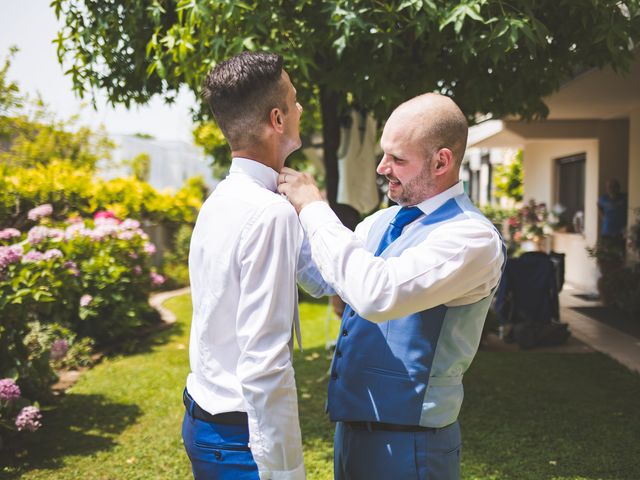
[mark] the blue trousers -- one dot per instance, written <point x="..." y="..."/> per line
<point x="218" y="451"/>
<point x="382" y="455"/>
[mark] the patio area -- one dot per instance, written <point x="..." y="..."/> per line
<point x="617" y="337"/>
<point x="600" y="336"/>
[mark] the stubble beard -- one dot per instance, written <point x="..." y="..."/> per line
<point x="415" y="190"/>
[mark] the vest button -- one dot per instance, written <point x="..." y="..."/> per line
<point x="345" y="332"/>
<point x="351" y="314"/>
<point x="338" y="354"/>
<point x="334" y="375"/>
<point x="217" y="454"/>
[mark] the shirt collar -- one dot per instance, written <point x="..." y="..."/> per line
<point x="430" y="205"/>
<point x="262" y="174"/>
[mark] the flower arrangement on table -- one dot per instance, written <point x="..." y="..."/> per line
<point x="532" y="223"/>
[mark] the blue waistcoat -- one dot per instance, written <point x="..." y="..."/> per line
<point x="407" y="370"/>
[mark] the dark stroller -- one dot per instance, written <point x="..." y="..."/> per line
<point x="527" y="301"/>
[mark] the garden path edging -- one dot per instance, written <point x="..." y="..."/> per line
<point x="157" y="299"/>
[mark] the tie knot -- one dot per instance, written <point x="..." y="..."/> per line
<point x="405" y="216"/>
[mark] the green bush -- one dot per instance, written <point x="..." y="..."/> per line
<point x="620" y="287"/>
<point x="176" y="261"/>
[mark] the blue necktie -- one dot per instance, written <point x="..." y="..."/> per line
<point x="404" y="217"/>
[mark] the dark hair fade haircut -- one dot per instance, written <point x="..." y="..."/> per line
<point x="241" y="93"/>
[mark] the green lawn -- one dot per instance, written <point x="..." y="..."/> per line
<point x="525" y="416"/>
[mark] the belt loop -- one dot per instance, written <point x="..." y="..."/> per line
<point x="369" y="428"/>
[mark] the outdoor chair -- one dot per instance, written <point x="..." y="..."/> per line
<point x="527" y="301"/>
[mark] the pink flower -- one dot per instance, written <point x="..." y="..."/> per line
<point x="104" y="228"/>
<point x="37" y="235"/>
<point x="9" y="233"/>
<point x="133" y="255"/>
<point x="40" y="211"/>
<point x="103" y="214"/>
<point x="75" y="229"/>
<point x="106" y="217"/>
<point x="156" y="279"/>
<point x="73" y="268"/>
<point x="130" y="224"/>
<point x="55" y="233"/>
<point x="52" y="253"/>
<point x="29" y="419"/>
<point x="126" y="235"/>
<point x="149" y="248"/>
<point x="9" y="255"/>
<point x="9" y="391"/>
<point x="137" y="270"/>
<point x="33" y="256"/>
<point x="59" y="349"/>
<point x="85" y="300"/>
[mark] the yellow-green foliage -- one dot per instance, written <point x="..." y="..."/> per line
<point x="40" y="139"/>
<point x="75" y="190"/>
<point x="509" y="179"/>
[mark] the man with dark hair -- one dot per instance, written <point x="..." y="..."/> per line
<point x="241" y="419"/>
<point x="418" y="279"/>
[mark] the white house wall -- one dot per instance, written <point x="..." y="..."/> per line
<point x="539" y="181"/>
<point x="614" y="152"/>
<point x="633" y="187"/>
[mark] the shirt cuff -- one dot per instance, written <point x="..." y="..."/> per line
<point x="315" y="215"/>
<point x="297" y="474"/>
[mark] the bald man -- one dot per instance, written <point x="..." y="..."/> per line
<point x="418" y="279"/>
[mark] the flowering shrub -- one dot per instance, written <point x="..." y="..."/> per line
<point x="16" y="413"/>
<point x="65" y="285"/>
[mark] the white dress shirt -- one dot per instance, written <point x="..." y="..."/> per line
<point x="457" y="264"/>
<point x="242" y="266"/>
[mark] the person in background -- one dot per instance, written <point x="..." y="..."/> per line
<point x="612" y="205"/>
<point x="418" y="279"/>
<point x="241" y="419"/>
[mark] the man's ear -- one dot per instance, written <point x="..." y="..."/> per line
<point x="277" y="120"/>
<point x="442" y="161"/>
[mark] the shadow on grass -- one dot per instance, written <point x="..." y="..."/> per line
<point x="145" y="340"/>
<point x="78" y="425"/>
<point x="548" y="416"/>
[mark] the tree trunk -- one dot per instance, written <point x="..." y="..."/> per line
<point x="331" y="142"/>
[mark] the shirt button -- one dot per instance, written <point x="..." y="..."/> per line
<point x="334" y="375"/>
<point x="338" y="354"/>
<point x="345" y="332"/>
